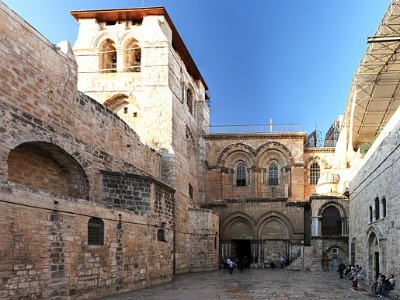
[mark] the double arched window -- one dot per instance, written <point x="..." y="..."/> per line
<point x="314" y="173"/>
<point x="273" y="174"/>
<point x="241" y="174"/>
<point x="108" y="56"/>
<point x="379" y="210"/>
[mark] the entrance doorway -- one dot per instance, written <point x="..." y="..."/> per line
<point x="242" y="249"/>
<point x="376" y="263"/>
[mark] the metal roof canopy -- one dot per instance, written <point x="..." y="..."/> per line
<point x="374" y="93"/>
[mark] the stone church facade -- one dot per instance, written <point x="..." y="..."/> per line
<point x="111" y="179"/>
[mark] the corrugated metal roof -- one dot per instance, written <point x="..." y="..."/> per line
<point x="374" y="93"/>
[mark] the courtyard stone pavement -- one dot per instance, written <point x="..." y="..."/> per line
<point x="251" y="284"/>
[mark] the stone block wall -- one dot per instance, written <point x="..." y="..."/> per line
<point x="45" y="251"/>
<point x="374" y="204"/>
<point x="63" y="154"/>
<point x="204" y="240"/>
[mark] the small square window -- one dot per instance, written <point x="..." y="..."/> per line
<point x="135" y="114"/>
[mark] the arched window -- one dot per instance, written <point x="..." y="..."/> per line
<point x="241" y="174"/>
<point x="314" y="173"/>
<point x="132" y="56"/>
<point x="95" y="231"/>
<point x="273" y="174"/>
<point x="377" y="216"/>
<point x="161" y="235"/>
<point x="108" y="57"/>
<point x="370" y="214"/>
<point x="383" y="207"/>
<point x="189" y="100"/>
<point x="331" y="221"/>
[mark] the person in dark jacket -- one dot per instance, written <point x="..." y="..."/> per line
<point x="385" y="286"/>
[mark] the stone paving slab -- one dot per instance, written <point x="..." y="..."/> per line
<point x="251" y="284"/>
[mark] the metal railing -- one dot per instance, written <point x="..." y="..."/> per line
<point x="274" y="128"/>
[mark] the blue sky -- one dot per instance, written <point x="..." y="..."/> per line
<point x="287" y="60"/>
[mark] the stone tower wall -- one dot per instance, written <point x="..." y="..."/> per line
<point x="159" y="94"/>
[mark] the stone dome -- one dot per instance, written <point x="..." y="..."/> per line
<point x="328" y="183"/>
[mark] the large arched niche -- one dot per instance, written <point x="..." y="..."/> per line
<point x="338" y="206"/>
<point x="274" y="150"/>
<point x="274" y="226"/>
<point x="229" y="155"/>
<point x="236" y="156"/>
<point x="238" y="226"/>
<point x="46" y="166"/>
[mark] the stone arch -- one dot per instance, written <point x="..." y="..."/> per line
<point x="279" y="150"/>
<point x="126" y="108"/>
<point x="274" y="226"/>
<point x="226" y="158"/>
<point x="115" y="102"/>
<point x="102" y="37"/>
<point x="375" y="259"/>
<point x="333" y="255"/>
<point x="238" y="226"/>
<point x="320" y="160"/>
<point x="338" y="206"/>
<point x="48" y="167"/>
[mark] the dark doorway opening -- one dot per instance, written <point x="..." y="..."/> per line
<point x="243" y="250"/>
<point x="376" y="265"/>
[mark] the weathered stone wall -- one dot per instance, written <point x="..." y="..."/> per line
<point x="45" y="253"/>
<point x="63" y="156"/>
<point x="204" y="240"/>
<point x="374" y="191"/>
<point x="224" y="151"/>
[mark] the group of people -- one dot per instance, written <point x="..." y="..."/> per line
<point x="356" y="273"/>
<point x="383" y="284"/>
<point x="352" y="272"/>
<point x="232" y="263"/>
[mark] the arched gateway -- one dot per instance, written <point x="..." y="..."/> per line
<point x="260" y="243"/>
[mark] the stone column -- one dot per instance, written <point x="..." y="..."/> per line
<point x="315" y="226"/>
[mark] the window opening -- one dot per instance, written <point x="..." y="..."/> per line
<point x="135" y="114"/>
<point x="377" y="209"/>
<point x="241" y="175"/>
<point x="273" y="174"/>
<point x="331" y="221"/>
<point x="190" y="191"/>
<point x="314" y="173"/>
<point x="370" y="214"/>
<point x="95" y="231"/>
<point x="384" y="207"/>
<point x="161" y="235"/>
<point x="133" y="57"/>
<point x="108" y="57"/>
<point x="125" y="110"/>
<point x="189" y="100"/>
<point x="108" y="23"/>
